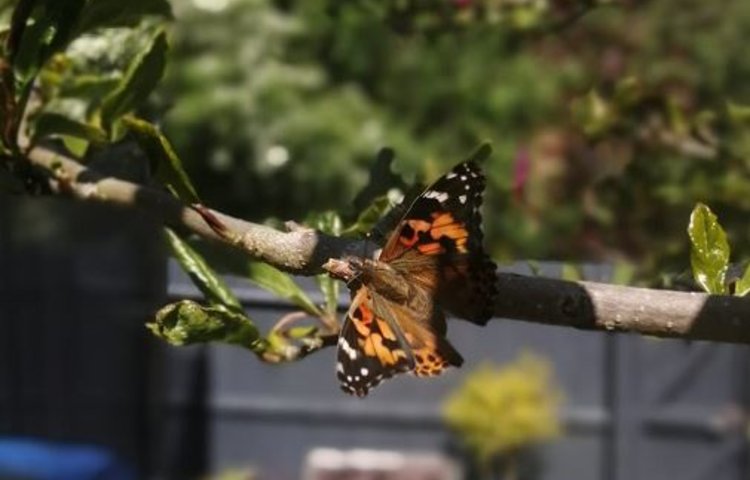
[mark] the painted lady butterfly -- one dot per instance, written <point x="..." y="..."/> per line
<point x="432" y="261"/>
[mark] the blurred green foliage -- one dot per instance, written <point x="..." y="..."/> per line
<point x="521" y="400"/>
<point x="609" y="119"/>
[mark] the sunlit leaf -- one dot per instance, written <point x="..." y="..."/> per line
<point x="138" y="82"/>
<point x="203" y="276"/>
<point x="187" y="322"/>
<point x="75" y="145"/>
<point x="168" y="166"/>
<point x="709" y="253"/>
<point x="281" y="285"/>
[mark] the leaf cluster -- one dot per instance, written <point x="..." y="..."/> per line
<point x="502" y="410"/>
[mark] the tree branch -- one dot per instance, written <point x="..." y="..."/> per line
<point x="582" y="305"/>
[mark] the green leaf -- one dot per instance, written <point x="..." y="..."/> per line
<point x="623" y="272"/>
<point x="593" y="114"/>
<point x="203" y="276"/>
<point x="138" y="82"/>
<point x="742" y="287"/>
<point x="281" y="285"/>
<point x="481" y="154"/>
<point x="56" y="125"/>
<point x="738" y="113"/>
<point x="76" y="146"/>
<point x="118" y="13"/>
<point x="19" y="20"/>
<point x="41" y="28"/>
<point x="328" y="223"/>
<point x="369" y="217"/>
<point x="709" y="254"/>
<point x="571" y="272"/>
<point x="168" y="166"/>
<point x="187" y="322"/>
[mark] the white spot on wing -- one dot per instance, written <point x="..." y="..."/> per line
<point x="450" y="175"/>
<point x="462" y="198"/>
<point x="347" y="348"/>
<point x="439" y="196"/>
<point x="364" y="372"/>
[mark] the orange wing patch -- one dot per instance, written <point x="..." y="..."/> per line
<point x="428" y="236"/>
<point x="375" y="337"/>
<point x="432" y="357"/>
<point x="429" y="362"/>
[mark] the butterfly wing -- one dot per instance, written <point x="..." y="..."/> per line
<point x="380" y="339"/>
<point x="438" y="243"/>
<point x="369" y="350"/>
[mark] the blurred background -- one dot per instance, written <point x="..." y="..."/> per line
<point x="609" y="121"/>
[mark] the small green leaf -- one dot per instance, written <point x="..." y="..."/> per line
<point x="203" y="276"/>
<point x="738" y="113"/>
<point x="623" y="273"/>
<point x="76" y="146"/>
<point x="709" y="254"/>
<point x="571" y="272"/>
<point x="369" y="217"/>
<point x="281" y="285"/>
<point x="481" y="154"/>
<point x="593" y="114"/>
<point x="168" y="166"/>
<point x="742" y="287"/>
<point x="138" y="82"/>
<point x="118" y="13"/>
<point x="187" y="322"/>
<point x="56" y="125"/>
<point x="328" y="223"/>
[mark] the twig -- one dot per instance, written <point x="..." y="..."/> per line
<point x="583" y="305"/>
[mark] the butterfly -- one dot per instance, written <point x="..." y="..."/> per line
<point x="432" y="262"/>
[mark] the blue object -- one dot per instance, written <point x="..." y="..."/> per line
<point x="33" y="459"/>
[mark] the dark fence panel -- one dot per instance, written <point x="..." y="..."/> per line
<point x="77" y="284"/>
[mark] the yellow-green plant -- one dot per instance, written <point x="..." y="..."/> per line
<point x="500" y="410"/>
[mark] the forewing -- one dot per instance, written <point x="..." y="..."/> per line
<point x="444" y="223"/>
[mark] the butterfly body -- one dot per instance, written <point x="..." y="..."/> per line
<point x="432" y="262"/>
